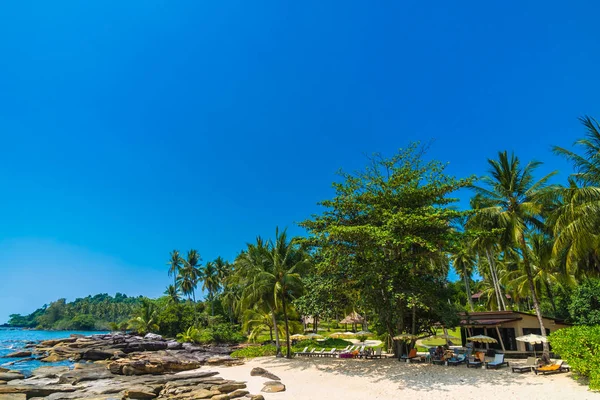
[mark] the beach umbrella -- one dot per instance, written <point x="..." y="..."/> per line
<point x="482" y="339"/>
<point x="298" y="336"/>
<point x="533" y="340"/>
<point x="313" y="336"/>
<point x="341" y="334"/>
<point x="363" y="333"/>
<point x="443" y="336"/>
<point x="404" y="336"/>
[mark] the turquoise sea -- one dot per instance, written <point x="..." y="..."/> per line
<point x="12" y="340"/>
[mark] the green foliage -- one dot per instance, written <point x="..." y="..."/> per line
<point x="255" y="351"/>
<point x="328" y="343"/>
<point x="145" y="317"/>
<point x="585" y="303"/>
<point x="191" y="335"/>
<point x="101" y="308"/>
<point x="387" y="234"/>
<point x="579" y="346"/>
<point x="220" y="333"/>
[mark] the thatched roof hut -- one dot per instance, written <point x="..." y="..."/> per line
<point x="353" y="318"/>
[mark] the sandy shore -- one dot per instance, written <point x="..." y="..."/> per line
<point x="323" y="378"/>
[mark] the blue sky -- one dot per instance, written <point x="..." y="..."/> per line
<point x="132" y="128"/>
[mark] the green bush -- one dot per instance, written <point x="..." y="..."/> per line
<point x="226" y="333"/>
<point x="327" y="343"/>
<point x="585" y="303"/>
<point x="255" y="351"/>
<point x="579" y="346"/>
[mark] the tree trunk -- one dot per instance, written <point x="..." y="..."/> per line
<point x="195" y="308"/>
<point x="536" y="304"/>
<point x="277" y="345"/>
<point x="271" y="333"/>
<point x="497" y="288"/>
<point x="287" y="328"/>
<point x="468" y="288"/>
<point x="551" y="297"/>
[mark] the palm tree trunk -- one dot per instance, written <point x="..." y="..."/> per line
<point x="277" y="345"/>
<point x="287" y="328"/>
<point x="497" y="289"/>
<point x="551" y="297"/>
<point x="468" y="288"/>
<point x="195" y="308"/>
<point x="536" y="304"/>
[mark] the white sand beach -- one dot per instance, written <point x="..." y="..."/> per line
<point x="323" y="378"/>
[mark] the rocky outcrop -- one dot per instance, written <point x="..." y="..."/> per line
<point x="19" y="354"/>
<point x="116" y="367"/>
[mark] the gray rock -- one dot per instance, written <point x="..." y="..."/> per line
<point x="153" y="336"/>
<point x="11" y="375"/>
<point x="273" y="387"/>
<point x="258" y="371"/>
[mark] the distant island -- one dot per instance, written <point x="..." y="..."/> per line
<point x="99" y="312"/>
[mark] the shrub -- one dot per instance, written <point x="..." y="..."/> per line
<point x="580" y="347"/>
<point x="226" y="333"/>
<point x="255" y="351"/>
<point x="585" y="303"/>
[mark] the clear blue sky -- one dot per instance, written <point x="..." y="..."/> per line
<point x="130" y="128"/>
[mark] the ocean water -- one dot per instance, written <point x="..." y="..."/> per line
<point x="12" y="340"/>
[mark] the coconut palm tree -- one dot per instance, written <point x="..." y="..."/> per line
<point x="174" y="265"/>
<point x="144" y="319"/>
<point x="289" y="262"/>
<point x="463" y="261"/>
<point x="252" y="266"/>
<point x="173" y="293"/>
<point x="210" y="283"/>
<point x="514" y="201"/>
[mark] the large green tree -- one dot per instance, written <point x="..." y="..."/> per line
<point x="388" y="231"/>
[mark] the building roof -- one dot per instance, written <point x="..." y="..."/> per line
<point x="496" y="317"/>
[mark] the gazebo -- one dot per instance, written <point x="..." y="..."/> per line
<point x="353" y="318"/>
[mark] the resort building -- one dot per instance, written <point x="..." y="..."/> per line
<point x="506" y="326"/>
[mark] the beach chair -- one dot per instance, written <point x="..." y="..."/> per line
<point x="477" y="361"/>
<point x="497" y="363"/>
<point x="331" y="353"/>
<point x="319" y="353"/>
<point x="345" y="349"/>
<point x="303" y="352"/>
<point x="411" y="355"/>
<point x="348" y="349"/>
<point x="553" y="368"/>
<point x="529" y="366"/>
<point x="456" y="361"/>
<point x="375" y="354"/>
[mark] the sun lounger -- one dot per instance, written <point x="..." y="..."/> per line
<point x="530" y="364"/>
<point x="375" y="354"/>
<point x="301" y="353"/>
<point x="554" y="368"/>
<point x="497" y="363"/>
<point x="477" y="361"/>
<point x="318" y="353"/>
<point x="331" y="353"/>
<point x="461" y="358"/>
<point x="412" y="354"/>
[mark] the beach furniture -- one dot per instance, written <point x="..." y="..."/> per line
<point x="331" y="353"/>
<point x="455" y="361"/>
<point x="477" y="360"/>
<point x="497" y="363"/>
<point x="303" y="352"/>
<point x="319" y="353"/>
<point x="411" y="355"/>
<point x="375" y="354"/>
<point x="553" y="368"/>
<point x="529" y="366"/>
<point x="348" y="349"/>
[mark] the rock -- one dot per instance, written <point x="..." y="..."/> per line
<point x="238" y="393"/>
<point x="54" y="342"/>
<point x="174" y="345"/>
<point x="11" y="375"/>
<point x="35" y="391"/>
<point x="52" y="358"/>
<point x="19" y="354"/>
<point x="49" y="372"/>
<point x="273" y="387"/>
<point x="13" y="397"/>
<point x="220" y="397"/>
<point x="153" y="336"/>
<point x="139" y="394"/>
<point x="257" y="397"/>
<point x="96" y="355"/>
<point x="229" y="387"/>
<point x="258" y="371"/>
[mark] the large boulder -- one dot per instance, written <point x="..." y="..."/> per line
<point x="19" y="354"/>
<point x="11" y="375"/>
<point x="97" y="354"/>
